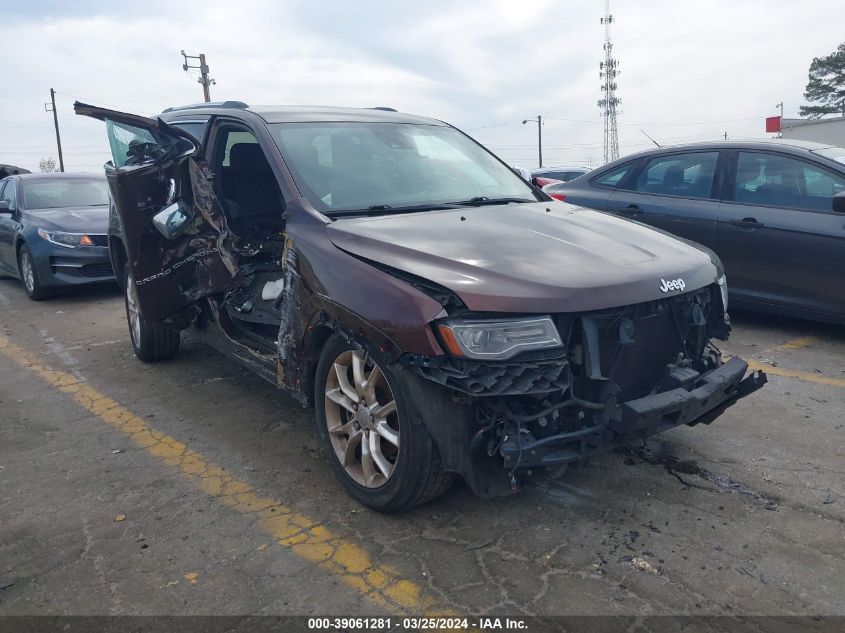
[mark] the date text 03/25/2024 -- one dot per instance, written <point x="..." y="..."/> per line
<point x="416" y="624"/>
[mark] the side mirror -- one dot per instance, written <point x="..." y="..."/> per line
<point x="838" y="202"/>
<point x="172" y="221"/>
<point x="4" y="207"/>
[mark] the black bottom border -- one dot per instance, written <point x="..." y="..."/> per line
<point x="379" y="624"/>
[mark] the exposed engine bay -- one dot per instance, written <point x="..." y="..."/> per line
<point x="624" y="373"/>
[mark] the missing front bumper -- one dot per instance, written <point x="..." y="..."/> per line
<point x="711" y="395"/>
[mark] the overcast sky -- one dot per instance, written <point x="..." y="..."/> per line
<point x="691" y="70"/>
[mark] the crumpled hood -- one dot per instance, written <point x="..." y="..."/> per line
<point x="529" y="258"/>
<point x="93" y="220"/>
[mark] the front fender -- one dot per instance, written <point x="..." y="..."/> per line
<point x="324" y="286"/>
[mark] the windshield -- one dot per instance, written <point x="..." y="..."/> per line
<point x="70" y="192"/>
<point x="358" y="166"/>
<point x="833" y="153"/>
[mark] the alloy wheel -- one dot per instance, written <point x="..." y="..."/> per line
<point x="362" y="419"/>
<point x="132" y="311"/>
<point x="27" y="272"/>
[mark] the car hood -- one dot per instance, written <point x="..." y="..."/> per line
<point x="543" y="257"/>
<point x="72" y="219"/>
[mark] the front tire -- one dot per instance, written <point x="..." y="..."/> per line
<point x="151" y="341"/>
<point x="29" y="277"/>
<point x="378" y="446"/>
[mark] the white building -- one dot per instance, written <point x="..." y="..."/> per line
<point x="828" y="131"/>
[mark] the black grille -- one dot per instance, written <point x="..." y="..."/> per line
<point x="531" y="375"/>
<point x="636" y="358"/>
<point x="99" y="240"/>
<point x="637" y="366"/>
<point x="96" y="270"/>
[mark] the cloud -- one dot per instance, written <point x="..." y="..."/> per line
<point x="482" y="66"/>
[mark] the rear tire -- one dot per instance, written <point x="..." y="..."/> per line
<point x="352" y="414"/>
<point x="151" y="341"/>
<point x="29" y="277"/>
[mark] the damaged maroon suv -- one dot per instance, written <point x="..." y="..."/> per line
<point x="441" y="315"/>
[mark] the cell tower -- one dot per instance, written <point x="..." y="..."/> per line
<point x="608" y="71"/>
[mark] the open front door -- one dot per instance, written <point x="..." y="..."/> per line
<point x="172" y="224"/>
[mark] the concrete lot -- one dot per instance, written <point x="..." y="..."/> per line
<point x="194" y="487"/>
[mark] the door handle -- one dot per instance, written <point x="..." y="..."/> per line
<point x="631" y="210"/>
<point x="748" y="223"/>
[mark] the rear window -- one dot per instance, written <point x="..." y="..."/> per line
<point x="613" y="177"/>
<point x="56" y="193"/>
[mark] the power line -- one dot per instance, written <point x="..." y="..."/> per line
<point x="619" y="123"/>
<point x="33" y="151"/>
<point x="642" y="124"/>
<point x="101" y="103"/>
<point x="485" y="127"/>
<point x="48" y="146"/>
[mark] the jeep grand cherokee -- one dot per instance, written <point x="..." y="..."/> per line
<point x="441" y="315"/>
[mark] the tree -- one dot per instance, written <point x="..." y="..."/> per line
<point x="48" y="164"/>
<point x="826" y="86"/>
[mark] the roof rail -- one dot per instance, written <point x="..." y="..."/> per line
<point x="384" y="108"/>
<point x="238" y="105"/>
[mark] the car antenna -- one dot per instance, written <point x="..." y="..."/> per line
<point x="651" y="139"/>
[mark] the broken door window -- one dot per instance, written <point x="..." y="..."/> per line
<point x="130" y="145"/>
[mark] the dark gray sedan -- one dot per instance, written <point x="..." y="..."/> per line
<point x="774" y="212"/>
<point x="53" y="231"/>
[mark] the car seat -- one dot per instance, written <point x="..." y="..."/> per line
<point x="747" y="172"/>
<point x="673" y="179"/>
<point x="253" y="186"/>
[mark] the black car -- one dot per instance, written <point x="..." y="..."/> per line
<point x="774" y="212"/>
<point x="53" y="231"/>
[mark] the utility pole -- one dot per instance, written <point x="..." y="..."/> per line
<point x="51" y="107"/>
<point x="204" y="79"/>
<point x="539" y="122"/>
<point x="780" y="105"/>
<point x="608" y="71"/>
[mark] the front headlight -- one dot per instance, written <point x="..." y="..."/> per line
<point x="69" y="240"/>
<point x="723" y="288"/>
<point x="498" y="339"/>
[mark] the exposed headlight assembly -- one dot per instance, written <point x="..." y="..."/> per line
<point x="723" y="287"/>
<point x="68" y="240"/>
<point x="498" y="339"/>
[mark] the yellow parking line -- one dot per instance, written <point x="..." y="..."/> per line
<point x="301" y="534"/>
<point x="798" y="343"/>
<point x="798" y="375"/>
